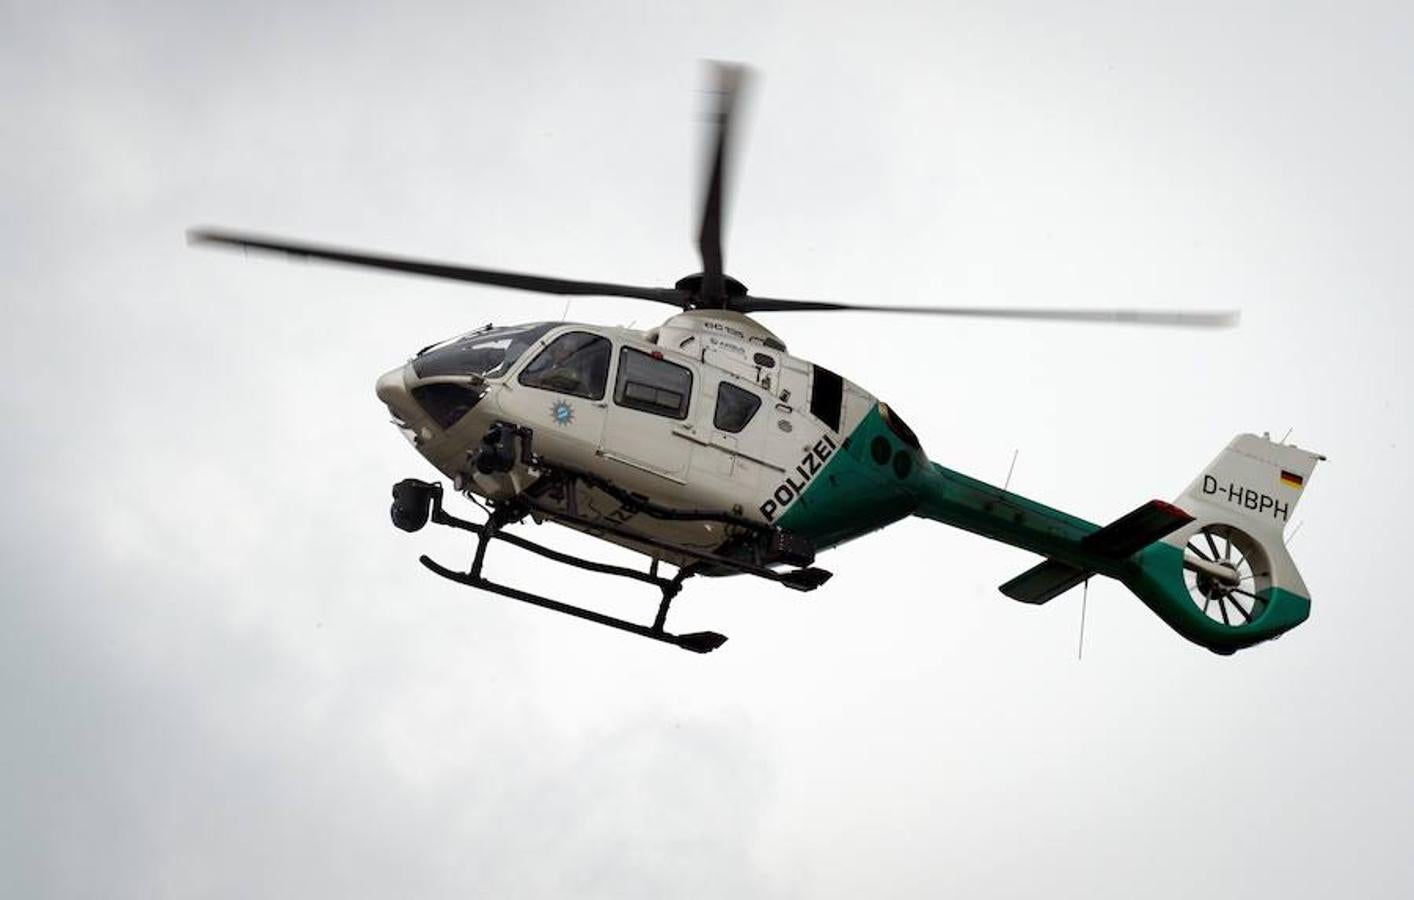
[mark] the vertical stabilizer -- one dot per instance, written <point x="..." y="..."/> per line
<point x="1225" y="580"/>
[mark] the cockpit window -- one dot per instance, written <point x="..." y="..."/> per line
<point x="575" y="363"/>
<point x="447" y="403"/>
<point x="489" y="353"/>
<point x="735" y="407"/>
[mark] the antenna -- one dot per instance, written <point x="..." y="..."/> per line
<point x="1084" y="602"/>
<point x="1285" y="436"/>
<point x="1011" y="468"/>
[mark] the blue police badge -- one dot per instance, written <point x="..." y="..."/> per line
<point x="562" y="412"/>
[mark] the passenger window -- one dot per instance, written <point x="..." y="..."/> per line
<point x="826" y="397"/>
<point x="735" y="407"/>
<point x="652" y="385"/>
<point x="576" y="363"/>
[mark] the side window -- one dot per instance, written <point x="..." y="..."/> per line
<point x="652" y="385"/>
<point x="735" y="407"/>
<point x="576" y="363"/>
<point x="826" y="397"/>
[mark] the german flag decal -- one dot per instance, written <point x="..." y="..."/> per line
<point x="1290" y="479"/>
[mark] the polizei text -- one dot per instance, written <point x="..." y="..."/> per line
<point x="810" y="465"/>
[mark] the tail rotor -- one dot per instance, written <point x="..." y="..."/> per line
<point x="1229" y="576"/>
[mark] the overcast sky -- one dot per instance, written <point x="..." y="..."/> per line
<point x="223" y="673"/>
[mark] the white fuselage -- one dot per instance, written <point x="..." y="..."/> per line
<point x="626" y="421"/>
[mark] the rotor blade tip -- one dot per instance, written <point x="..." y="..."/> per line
<point x="1229" y="318"/>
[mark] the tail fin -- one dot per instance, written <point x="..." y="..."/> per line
<point x="1214" y="564"/>
<point x="1225" y="580"/>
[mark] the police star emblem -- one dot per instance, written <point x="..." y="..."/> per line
<point x="562" y="412"/>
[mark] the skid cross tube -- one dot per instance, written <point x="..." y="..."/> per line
<point x="697" y="642"/>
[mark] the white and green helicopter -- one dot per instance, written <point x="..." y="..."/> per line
<point x="704" y="445"/>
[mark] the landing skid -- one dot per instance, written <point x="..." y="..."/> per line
<point x="416" y="502"/>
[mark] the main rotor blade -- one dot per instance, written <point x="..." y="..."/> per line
<point x="1179" y="318"/>
<point x="519" y="281"/>
<point x="730" y="79"/>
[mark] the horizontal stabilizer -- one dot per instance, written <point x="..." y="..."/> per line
<point x="1118" y="540"/>
<point x="1136" y="530"/>
<point x="1041" y="583"/>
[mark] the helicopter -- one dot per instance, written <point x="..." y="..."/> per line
<point x="705" y="446"/>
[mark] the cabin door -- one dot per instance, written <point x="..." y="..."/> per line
<point x="648" y="421"/>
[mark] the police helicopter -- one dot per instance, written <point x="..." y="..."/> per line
<point x="704" y="445"/>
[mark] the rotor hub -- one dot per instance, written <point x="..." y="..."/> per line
<point x="1213" y="588"/>
<point x="692" y="284"/>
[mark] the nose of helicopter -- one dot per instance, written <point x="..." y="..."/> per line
<point x="391" y="387"/>
<point x="392" y="390"/>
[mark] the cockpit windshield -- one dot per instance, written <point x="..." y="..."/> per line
<point x="489" y="352"/>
